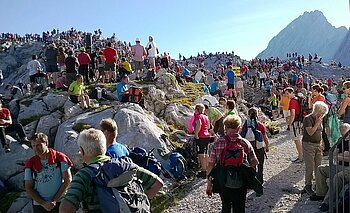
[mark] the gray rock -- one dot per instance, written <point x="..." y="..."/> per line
<point x="34" y="108"/>
<point x="71" y="109"/>
<point x="48" y="124"/>
<point x="178" y="114"/>
<point x="22" y="205"/>
<point x="55" y="101"/>
<point x="30" y="129"/>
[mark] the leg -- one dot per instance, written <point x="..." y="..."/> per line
<point x="322" y="173"/>
<point x="225" y="196"/>
<point x="309" y="154"/>
<point x="3" y="137"/>
<point x="18" y="128"/>
<point x="260" y="154"/>
<point x="238" y="200"/>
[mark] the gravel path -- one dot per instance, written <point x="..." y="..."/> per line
<point x="284" y="182"/>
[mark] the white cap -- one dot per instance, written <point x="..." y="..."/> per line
<point x="137" y="40"/>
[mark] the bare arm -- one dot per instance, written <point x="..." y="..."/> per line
<point x="67" y="207"/>
<point x="29" y="186"/>
<point x="311" y="130"/>
<point x="343" y="106"/>
<point x="67" y="178"/>
<point x="266" y="141"/>
<point x="198" y="128"/>
<point x="291" y="117"/>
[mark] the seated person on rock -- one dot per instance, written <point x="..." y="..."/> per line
<point x="77" y="93"/>
<point x="125" y="68"/>
<point x="340" y="179"/>
<point x="6" y="126"/>
<point x="150" y="181"/>
<point x="61" y="83"/>
<point x="14" y="92"/>
<point x="122" y="89"/>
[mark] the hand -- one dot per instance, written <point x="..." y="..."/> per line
<point x="209" y="190"/>
<point x="267" y="149"/>
<point x="49" y="205"/>
<point x="2" y="121"/>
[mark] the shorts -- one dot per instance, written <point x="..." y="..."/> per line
<point x="32" y="78"/>
<point x="202" y="145"/>
<point x="286" y="113"/>
<point x="101" y="70"/>
<point x="52" y="68"/>
<point x="274" y="107"/>
<point x="230" y="86"/>
<point x="109" y="66"/>
<point x="74" y="99"/>
<point x="295" y="130"/>
<point x="138" y="65"/>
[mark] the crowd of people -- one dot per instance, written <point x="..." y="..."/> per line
<point x="73" y="59"/>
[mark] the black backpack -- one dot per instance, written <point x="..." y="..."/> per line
<point x="117" y="187"/>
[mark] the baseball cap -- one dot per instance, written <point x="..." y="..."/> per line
<point x="137" y="40"/>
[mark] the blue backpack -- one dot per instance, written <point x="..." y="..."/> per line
<point x="252" y="134"/>
<point x="178" y="166"/>
<point x="117" y="188"/>
<point x="146" y="160"/>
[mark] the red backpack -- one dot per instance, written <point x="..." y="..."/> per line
<point x="233" y="154"/>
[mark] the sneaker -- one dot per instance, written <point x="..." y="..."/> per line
<point x="309" y="191"/>
<point x="7" y="148"/>
<point x="297" y="160"/>
<point x="324" y="207"/>
<point x="316" y="197"/>
<point x="288" y="128"/>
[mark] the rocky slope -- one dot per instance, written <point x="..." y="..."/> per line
<point x="309" y="33"/>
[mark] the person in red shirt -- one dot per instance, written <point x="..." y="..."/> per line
<point x="315" y="95"/>
<point x="111" y="57"/>
<point x="6" y="126"/>
<point x="84" y="61"/>
<point x="294" y="123"/>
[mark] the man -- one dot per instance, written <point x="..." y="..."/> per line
<point x="294" y="123"/>
<point x="84" y="61"/>
<point x="200" y="76"/>
<point x="122" y="89"/>
<point x="46" y="175"/>
<point x="77" y="93"/>
<point x="72" y="65"/>
<point x="6" y="126"/>
<point x="92" y="145"/>
<point x="51" y="55"/>
<point x="35" y="71"/>
<point x="230" y="75"/>
<point x="139" y="54"/>
<point x="215" y="89"/>
<point x="111" y="57"/>
<point x="150" y="181"/>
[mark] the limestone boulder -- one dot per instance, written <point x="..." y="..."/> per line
<point x="48" y="124"/>
<point x="71" y="109"/>
<point x="22" y="204"/>
<point x="30" y="129"/>
<point x="178" y="114"/>
<point x="30" y="108"/>
<point x="54" y="101"/>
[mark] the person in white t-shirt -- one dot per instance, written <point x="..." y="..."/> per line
<point x="240" y="88"/>
<point x="35" y="70"/>
<point x="152" y="52"/>
<point x="199" y="76"/>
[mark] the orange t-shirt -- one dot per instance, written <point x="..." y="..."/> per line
<point x="318" y="98"/>
<point x="285" y="102"/>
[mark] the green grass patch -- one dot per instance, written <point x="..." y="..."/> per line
<point x="7" y="200"/>
<point x="81" y="126"/>
<point x="98" y="108"/>
<point x="27" y="121"/>
<point x="160" y="126"/>
<point x="192" y="92"/>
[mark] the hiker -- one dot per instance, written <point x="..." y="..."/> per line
<point x="61" y="83"/>
<point x="215" y="118"/>
<point x="274" y="104"/>
<point x="231" y="198"/>
<point x="255" y="132"/>
<point x="125" y="68"/>
<point x="215" y="88"/>
<point x="202" y="136"/>
<point x="341" y="156"/>
<point x="150" y="181"/>
<point x="46" y="175"/>
<point x="77" y="93"/>
<point x="14" y="92"/>
<point x="315" y="95"/>
<point x="262" y="77"/>
<point x="312" y="142"/>
<point x="139" y="54"/>
<point x="61" y="58"/>
<point x="100" y="59"/>
<point x="7" y="126"/>
<point x="92" y="145"/>
<point x="51" y="55"/>
<point x="111" y="57"/>
<point x="35" y="70"/>
<point x="84" y="62"/>
<point x="294" y="123"/>
<point x="240" y="88"/>
<point x="284" y="103"/>
<point x="344" y="108"/>
<point x="152" y="52"/>
<point x="230" y="75"/>
<point x="230" y="108"/>
<point x="72" y="65"/>
<point x="199" y="76"/>
<point x="122" y="89"/>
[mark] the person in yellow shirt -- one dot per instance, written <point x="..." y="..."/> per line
<point x="125" y="68"/>
<point x="77" y="93"/>
<point x="284" y="103"/>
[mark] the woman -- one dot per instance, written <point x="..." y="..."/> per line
<point x="312" y="142"/>
<point x="230" y="108"/>
<point x="345" y="105"/>
<point x="232" y="199"/>
<point x="202" y="136"/>
<point x="316" y="95"/>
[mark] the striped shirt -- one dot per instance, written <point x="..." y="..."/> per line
<point x="221" y="143"/>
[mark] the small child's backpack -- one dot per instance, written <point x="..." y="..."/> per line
<point x="135" y="95"/>
<point x="252" y="134"/>
<point x="178" y="165"/>
<point x="117" y="188"/>
<point x="146" y="160"/>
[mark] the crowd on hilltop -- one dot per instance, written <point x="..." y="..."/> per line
<point x="73" y="59"/>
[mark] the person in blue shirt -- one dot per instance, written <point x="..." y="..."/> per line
<point x="110" y="129"/>
<point x="122" y="89"/>
<point x="214" y="88"/>
<point x="294" y="78"/>
<point x="230" y="79"/>
<point x="185" y="72"/>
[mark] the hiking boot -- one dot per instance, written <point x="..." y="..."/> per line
<point x="202" y="174"/>
<point x="324" y="207"/>
<point x="288" y="128"/>
<point x="308" y="190"/>
<point x="316" y="197"/>
<point x="7" y="149"/>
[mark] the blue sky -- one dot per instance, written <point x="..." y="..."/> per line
<point x="187" y="27"/>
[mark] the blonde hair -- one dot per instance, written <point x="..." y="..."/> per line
<point x="344" y="128"/>
<point x="232" y="122"/>
<point x="93" y="142"/>
<point x="200" y="108"/>
<point x="320" y="107"/>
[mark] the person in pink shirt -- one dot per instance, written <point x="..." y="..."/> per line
<point x="84" y="61"/>
<point x="139" y="53"/>
<point x="61" y="83"/>
<point x="202" y="136"/>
